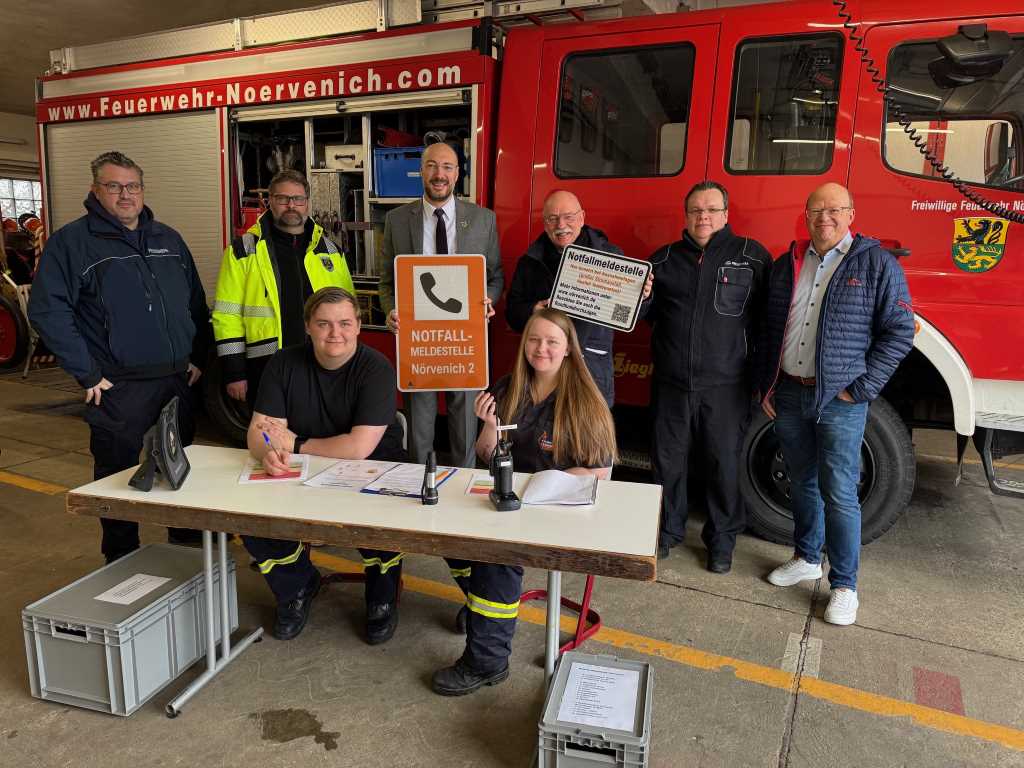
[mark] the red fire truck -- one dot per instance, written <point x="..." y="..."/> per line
<point x="771" y="100"/>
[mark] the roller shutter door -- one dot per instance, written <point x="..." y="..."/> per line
<point x="180" y="155"/>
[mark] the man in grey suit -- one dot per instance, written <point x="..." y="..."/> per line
<point x="440" y="224"/>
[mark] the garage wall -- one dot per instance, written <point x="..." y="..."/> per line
<point x="18" y="157"/>
<point x="180" y="155"/>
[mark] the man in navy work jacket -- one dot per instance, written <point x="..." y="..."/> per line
<point x="534" y="278"/>
<point x="837" y="323"/>
<point x="706" y="298"/>
<point x="118" y="301"/>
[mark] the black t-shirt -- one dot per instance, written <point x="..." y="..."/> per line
<point x="319" y="403"/>
<point x="533" y="441"/>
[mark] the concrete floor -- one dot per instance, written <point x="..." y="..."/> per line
<point x="746" y="674"/>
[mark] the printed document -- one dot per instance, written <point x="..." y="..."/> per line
<point x="131" y="589"/>
<point x="350" y="475"/>
<point x="600" y="696"/>
<point x="253" y="471"/>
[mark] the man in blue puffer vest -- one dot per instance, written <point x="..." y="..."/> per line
<point x="838" y="321"/>
<point x="118" y="300"/>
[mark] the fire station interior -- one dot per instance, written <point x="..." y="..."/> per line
<point x="360" y="165"/>
<point x="745" y="674"/>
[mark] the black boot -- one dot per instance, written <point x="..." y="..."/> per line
<point x="461" y="619"/>
<point x="381" y="622"/>
<point x="293" y="615"/>
<point x="458" y="679"/>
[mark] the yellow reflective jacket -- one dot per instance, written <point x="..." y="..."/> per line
<point x="247" y="309"/>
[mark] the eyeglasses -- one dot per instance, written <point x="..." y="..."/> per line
<point x="286" y="199"/>
<point x="113" y="188"/>
<point x="698" y="212"/>
<point x="432" y="166"/>
<point x="813" y="213"/>
<point x="568" y="218"/>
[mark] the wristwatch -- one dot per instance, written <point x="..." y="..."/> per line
<point x="297" y="447"/>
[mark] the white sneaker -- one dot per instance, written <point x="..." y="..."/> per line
<point x="795" y="571"/>
<point x="842" y="607"/>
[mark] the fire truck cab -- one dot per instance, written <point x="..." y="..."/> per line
<point x="770" y="100"/>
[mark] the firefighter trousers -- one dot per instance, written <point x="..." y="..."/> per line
<point x="117" y="427"/>
<point x="287" y="568"/>
<point x="709" y="425"/>
<point x="492" y="597"/>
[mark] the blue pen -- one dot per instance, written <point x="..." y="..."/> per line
<point x="266" y="439"/>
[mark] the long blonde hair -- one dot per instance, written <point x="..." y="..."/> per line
<point x="584" y="433"/>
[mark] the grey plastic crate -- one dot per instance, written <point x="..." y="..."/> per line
<point x="113" y="658"/>
<point x="571" y="745"/>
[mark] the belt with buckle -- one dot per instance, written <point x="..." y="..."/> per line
<point x="802" y="381"/>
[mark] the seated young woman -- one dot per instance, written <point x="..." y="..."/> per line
<point x="562" y="422"/>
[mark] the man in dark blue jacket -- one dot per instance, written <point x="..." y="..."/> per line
<point x="535" y="277"/>
<point x="118" y="300"/>
<point x="838" y="321"/>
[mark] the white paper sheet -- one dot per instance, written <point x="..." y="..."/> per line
<point x="131" y="589"/>
<point x="552" y="486"/>
<point x="253" y="472"/>
<point x="480" y="485"/>
<point x="600" y="696"/>
<point x="349" y="475"/>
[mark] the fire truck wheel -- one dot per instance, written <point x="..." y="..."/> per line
<point x="230" y="416"/>
<point x="13" y="334"/>
<point x="887" y="475"/>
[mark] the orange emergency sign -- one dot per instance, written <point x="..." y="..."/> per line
<point x="442" y="338"/>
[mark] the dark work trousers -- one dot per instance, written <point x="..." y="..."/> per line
<point x="116" y="430"/>
<point x="492" y="597"/>
<point x="286" y="567"/>
<point x="711" y="424"/>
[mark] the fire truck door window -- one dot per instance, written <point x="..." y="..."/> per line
<point x="624" y="112"/>
<point x="783" y="112"/>
<point x="971" y="122"/>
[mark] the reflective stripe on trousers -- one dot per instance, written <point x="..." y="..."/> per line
<point x="268" y="565"/>
<point x="369" y="562"/>
<point x="490" y="608"/>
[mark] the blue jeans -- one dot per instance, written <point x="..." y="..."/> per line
<point x="823" y="458"/>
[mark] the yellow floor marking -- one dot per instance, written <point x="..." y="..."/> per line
<point x="771" y="677"/>
<point x="31" y="484"/>
<point x="845" y="696"/>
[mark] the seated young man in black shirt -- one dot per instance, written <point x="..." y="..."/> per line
<point x="328" y="397"/>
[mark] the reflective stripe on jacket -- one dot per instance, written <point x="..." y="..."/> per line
<point x="247" y="309"/>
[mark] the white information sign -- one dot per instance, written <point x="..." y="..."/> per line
<point x="600" y="696"/>
<point x="599" y="287"/>
<point x="131" y="589"/>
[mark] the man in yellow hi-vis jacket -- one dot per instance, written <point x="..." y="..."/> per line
<point x="265" y="278"/>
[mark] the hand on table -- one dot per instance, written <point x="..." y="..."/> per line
<point x="281" y="438"/>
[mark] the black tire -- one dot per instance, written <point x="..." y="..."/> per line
<point x="230" y="416"/>
<point x="888" y="474"/>
<point x="13" y="334"/>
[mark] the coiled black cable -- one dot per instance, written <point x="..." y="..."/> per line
<point x="997" y="209"/>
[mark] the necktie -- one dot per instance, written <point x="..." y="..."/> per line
<point x="440" y="233"/>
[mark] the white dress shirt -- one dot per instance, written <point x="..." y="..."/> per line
<point x="798" y="346"/>
<point x="430" y="226"/>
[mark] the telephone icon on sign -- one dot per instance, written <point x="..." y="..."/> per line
<point x="428" y="282"/>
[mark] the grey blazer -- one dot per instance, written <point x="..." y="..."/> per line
<point x="475" y="232"/>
